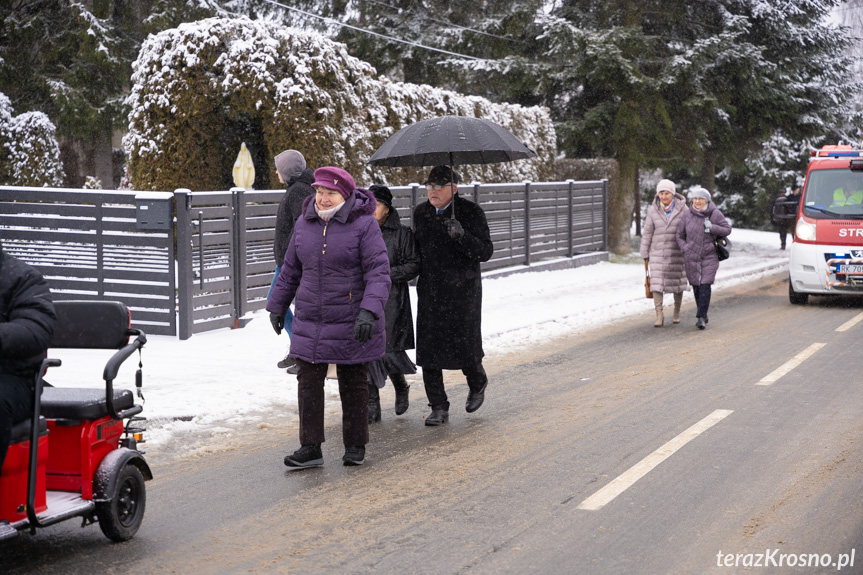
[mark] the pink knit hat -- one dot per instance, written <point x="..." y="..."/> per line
<point x="335" y="179"/>
<point x="666" y="185"/>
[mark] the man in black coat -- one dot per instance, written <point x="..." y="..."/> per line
<point x="26" y="326"/>
<point x="453" y="238"/>
<point x="292" y="171"/>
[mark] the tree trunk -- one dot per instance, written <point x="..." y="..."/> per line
<point x="708" y="170"/>
<point x="103" y="157"/>
<point x="637" y="211"/>
<point x="620" y="206"/>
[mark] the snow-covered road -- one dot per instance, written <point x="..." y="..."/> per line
<point x="202" y="391"/>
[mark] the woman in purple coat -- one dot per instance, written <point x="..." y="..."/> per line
<point x="698" y="227"/>
<point x="337" y="268"/>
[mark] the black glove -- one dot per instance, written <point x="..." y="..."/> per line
<point x="364" y="326"/>
<point x="453" y="227"/>
<point x="278" y="322"/>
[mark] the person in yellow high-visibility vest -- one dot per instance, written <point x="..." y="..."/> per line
<point x="847" y="195"/>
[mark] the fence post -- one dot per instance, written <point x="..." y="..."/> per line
<point x="100" y="249"/>
<point x="476" y="193"/>
<point x="604" y="215"/>
<point x="172" y="258"/>
<point x="238" y="197"/>
<point x="527" y="223"/>
<point x="185" y="305"/>
<point x="571" y="208"/>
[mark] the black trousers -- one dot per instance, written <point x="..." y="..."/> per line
<point x="354" y="393"/>
<point x="433" y="380"/>
<point x="16" y="404"/>
<point x="783" y="232"/>
<point x="702" y="299"/>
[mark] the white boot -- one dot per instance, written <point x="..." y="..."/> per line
<point x="657" y="303"/>
<point x="678" y="299"/>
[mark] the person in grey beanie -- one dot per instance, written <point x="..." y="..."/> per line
<point x="292" y="171"/>
<point x="698" y="227"/>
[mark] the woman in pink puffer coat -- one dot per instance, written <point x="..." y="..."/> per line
<point x="660" y="250"/>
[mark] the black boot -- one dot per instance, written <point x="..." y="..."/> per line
<point x="374" y="403"/>
<point x="402" y="388"/>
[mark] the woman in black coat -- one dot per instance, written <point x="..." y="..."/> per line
<point x="404" y="266"/>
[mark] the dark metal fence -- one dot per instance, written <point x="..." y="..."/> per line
<point x="91" y="244"/>
<point x="226" y="264"/>
<point x="88" y="246"/>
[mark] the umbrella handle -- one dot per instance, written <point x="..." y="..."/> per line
<point x="451" y="187"/>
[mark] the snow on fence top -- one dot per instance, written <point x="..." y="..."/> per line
<point x="202" y="88"/>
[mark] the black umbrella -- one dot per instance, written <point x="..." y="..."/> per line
<point x="452" y="141"/>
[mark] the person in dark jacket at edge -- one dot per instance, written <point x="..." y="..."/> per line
<point x="784" y="213"/>
<point x="404" y="266"/>
<point x="453" y="238"/>
<point x="292" y="171"/>
<point x="336" y="266"/>
<point x="26" y="326"/>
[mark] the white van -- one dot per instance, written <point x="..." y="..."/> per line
<point x="827" y="253"/>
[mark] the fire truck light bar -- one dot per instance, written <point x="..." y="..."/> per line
<point x="823" y="154"/>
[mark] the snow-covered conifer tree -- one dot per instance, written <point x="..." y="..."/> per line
<point x="29" y="153"/>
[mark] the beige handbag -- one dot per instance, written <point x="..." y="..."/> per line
<point x="647" y="293"/>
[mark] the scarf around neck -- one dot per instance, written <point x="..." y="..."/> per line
<point x="668" y="209"/>
<point x="327" y="215"/>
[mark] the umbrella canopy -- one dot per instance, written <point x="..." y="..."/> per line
<point x="450" y="140"/>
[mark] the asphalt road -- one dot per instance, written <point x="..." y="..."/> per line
<point x="627" y="449"/>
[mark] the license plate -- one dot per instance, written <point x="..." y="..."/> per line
<point x="850" y="269"/>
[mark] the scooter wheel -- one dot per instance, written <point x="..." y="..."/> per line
<point x="121" y="517"/>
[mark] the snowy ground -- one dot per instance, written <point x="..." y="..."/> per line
<point x="202" y="391"/>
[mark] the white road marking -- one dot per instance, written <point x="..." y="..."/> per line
<point x="850" y="323"/>
<point x="643" y="467"/>
<point x="790" y="364"/>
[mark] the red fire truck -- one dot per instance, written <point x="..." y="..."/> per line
<point x="827" y="254"/>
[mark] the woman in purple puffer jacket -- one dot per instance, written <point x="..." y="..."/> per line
<point x="698" y="227"/>
<point x="338" y="269"/>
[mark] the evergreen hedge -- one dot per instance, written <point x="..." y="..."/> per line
<point x="203" y="88"/>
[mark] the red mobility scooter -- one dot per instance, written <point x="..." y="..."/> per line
<point x="75" y="457"/>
